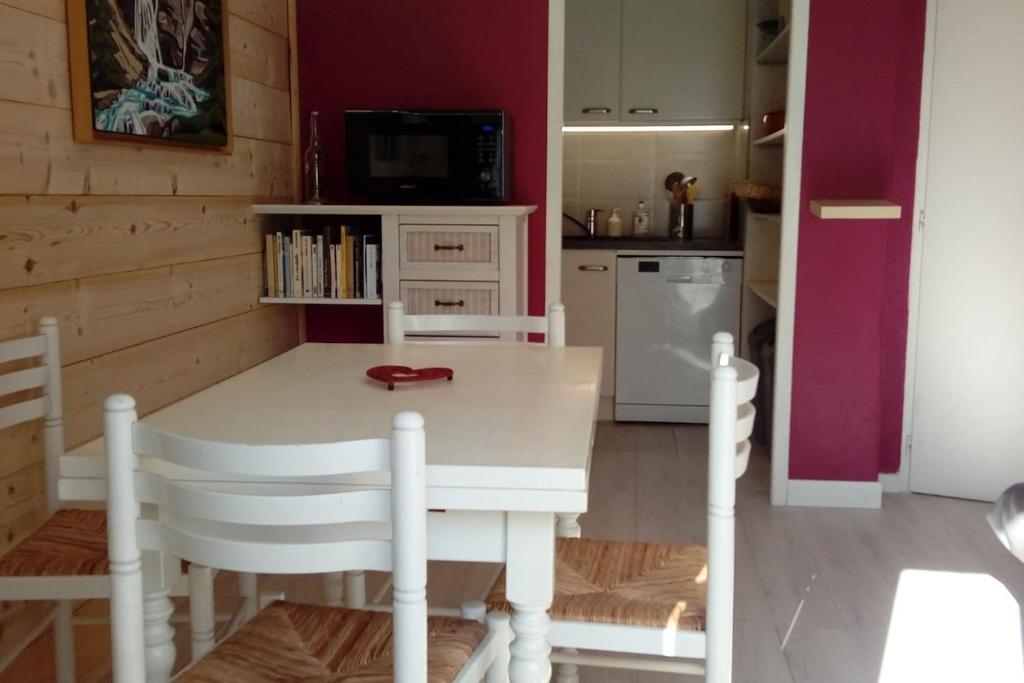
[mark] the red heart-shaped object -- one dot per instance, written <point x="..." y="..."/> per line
<point x="390" y="374"/>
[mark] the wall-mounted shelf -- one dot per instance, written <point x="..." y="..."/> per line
<point x="768" y="292"/>
<point x="856" y="209"/>
<point x="777" y="51"/>
<point x="317" y="300"/>
<point x="774" y="140"/>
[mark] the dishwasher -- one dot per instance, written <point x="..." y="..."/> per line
<point x="668" y="308"/>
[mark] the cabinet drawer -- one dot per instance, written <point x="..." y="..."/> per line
<point x="458" y="247"/>
<point x="449" y="298"/>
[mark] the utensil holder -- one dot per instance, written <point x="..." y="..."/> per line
<point x="680" y="220"/>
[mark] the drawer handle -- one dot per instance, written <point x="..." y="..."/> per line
<point x="449" y="304"/>
<point x="449" y="247"/>
<point x="643" y="110"/>
<point x="593" y="269"/>
<point x="596" y="110"/>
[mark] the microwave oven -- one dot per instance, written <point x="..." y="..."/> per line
<point x="430" y="157"/>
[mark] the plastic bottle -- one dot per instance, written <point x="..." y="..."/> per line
<point x="641" y="220"/>
<point x="614" y="224"/>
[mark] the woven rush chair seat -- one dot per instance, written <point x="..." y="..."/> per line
<point x="70" y="543"/>
<point x="622" y="582"/>
<point x="289" y="641"/>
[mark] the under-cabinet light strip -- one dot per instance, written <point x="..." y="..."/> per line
<point x="648" y="129"/>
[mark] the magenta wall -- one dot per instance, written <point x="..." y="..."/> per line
<point x="468" y="54"/>
<point x="860" y="141"/>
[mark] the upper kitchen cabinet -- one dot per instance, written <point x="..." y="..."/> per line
<point x="593" y="42"/>
<point x="683" y="60"/>
<point x="641" y="61"/>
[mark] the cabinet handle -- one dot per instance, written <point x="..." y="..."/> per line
<point x="596" y="110"/>
<point x="449" y="247"/>
<point x="643" y="110"/>
<point x="449" y="304"/>
<point x="593" y="269"/>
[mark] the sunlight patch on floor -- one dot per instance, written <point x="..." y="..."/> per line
<point x="950" y="626"/>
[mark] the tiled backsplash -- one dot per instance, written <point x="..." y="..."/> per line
<point x="616" y="170"/>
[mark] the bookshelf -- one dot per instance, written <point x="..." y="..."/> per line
<point x="428" y="254"/>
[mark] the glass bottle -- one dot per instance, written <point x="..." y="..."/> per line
<point x="314" y="163"/>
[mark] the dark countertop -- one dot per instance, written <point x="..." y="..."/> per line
<point x="649" y="243"/>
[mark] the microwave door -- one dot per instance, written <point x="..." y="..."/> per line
<point x="410" y="162"/>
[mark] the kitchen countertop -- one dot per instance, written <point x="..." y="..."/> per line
<point x="655" y="243"/>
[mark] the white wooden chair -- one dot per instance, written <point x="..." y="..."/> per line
<point x="66" y="558"/>
<point x="652" y="606"/>
<point x="280" y="529"/>
<point x="552" y="325"/>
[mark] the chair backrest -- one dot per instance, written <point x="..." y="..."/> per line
<point x="731" y="421"/>
<point x="43" y="381"/>
<point x="261" y="527"/>
<point x="552" y="325"/>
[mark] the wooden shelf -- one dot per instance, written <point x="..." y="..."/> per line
<point x="777" y="51"/>
<point x="774" y="140"/>
<point x="317" y="300"/>
<point x="768" y="292"/>
<point x="856" y="209"/>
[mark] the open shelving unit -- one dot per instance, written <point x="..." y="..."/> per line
<point x="767" y="291"/>
<point x="319" y="301"/>
<point x="775" y="139"/>
<point x="777" y="51"/>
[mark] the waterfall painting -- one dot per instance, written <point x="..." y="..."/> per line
<point x="150" y="71"/>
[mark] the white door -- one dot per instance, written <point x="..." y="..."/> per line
<point x="968" y="419"/>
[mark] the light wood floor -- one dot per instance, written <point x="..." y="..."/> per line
<point x="814" y="588"/>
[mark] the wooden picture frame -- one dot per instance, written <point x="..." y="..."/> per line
<point x="123" y="91"/>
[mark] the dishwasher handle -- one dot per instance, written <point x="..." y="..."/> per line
<point x="679" y="280"/>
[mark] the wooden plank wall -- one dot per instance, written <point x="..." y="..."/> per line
<point x="149" y="257"/>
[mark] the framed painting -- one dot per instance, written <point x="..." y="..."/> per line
<point x="150" y="71"/>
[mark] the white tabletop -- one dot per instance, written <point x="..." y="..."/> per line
<point x="514" y="417"/>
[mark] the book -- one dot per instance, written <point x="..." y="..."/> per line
<point x="372" y="271"/>
<point x="334" y="270"/>
<point x="324" y="240"/>
<point x="296" y="264"/>
<point x="357" y="268"/>
<point x="350" y="290"/>
<point x="269" y="269"/>
<point x="279" y="253"/>
<point x="307" y="262"/>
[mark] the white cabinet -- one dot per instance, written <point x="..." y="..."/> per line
<point x="588" y="292"/>
<point x="593" y="39"/>
<point x="639" y="61"/>
<point x="683" y="59"/>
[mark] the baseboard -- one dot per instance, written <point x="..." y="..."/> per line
<point x="606" y="409"/>
<point x="894" y="483"/>
<point x="835" y="494"/>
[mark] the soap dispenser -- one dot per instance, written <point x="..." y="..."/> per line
<point x="614" y="224"/>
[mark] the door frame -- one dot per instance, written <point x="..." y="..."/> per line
<point x="790" y="226"/>
<point x="553" y="200"/>
<point x="785" y="312"/>
<point x="900" y="481"/>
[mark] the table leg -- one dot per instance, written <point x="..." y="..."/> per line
<point x="530" y="578"/>
<point x="568" y="526"/>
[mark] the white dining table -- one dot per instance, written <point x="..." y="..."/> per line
<point x="508" y="455"/>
